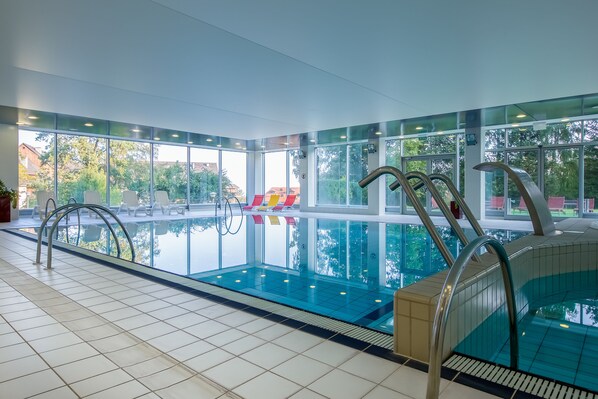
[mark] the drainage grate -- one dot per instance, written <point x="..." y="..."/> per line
<point x="516" y="380"/>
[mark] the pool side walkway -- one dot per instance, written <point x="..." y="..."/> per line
<point x="84" y="329"/>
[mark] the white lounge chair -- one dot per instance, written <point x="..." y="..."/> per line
<point x="46" y="203"/>
<point x="130" y="203"/>
<point x="92" y="197"/>
<point x="162" y="201"/>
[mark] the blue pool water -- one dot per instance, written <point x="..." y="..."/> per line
<point x="347" y="270"/>
<point x="558" y="334"/>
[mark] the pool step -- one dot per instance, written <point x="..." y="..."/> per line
<point x="519" y="381"/>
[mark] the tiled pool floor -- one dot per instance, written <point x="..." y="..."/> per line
<point x="87" y="330"/>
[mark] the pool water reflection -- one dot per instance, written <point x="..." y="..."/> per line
<point x="347" y="270"/>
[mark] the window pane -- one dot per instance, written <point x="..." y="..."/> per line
<point x="275" y="174"/>
<point x="332" y="175"/>
<point x="358" y="169"/>
<point x="528" y="161"/>
<point x="590" y="169"/>
<point x="494" y="138"/>
<point x="204" y="176"/>
<point x="561" y="181"/>
<point x="234" y="175"/>
<point x="294" y="172"/>
<point x="36" y="166"/>
<point x="129" y="170"/>
<point x="495" y="187"/>
<point x="81" y="167"/>
<point x="591" y="130"/>
<point x="393" y="158"/>
<point x="170" y="172"/>
<point x="444" y="144"/>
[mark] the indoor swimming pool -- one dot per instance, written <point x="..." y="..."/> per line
<point x="346" y="270"/>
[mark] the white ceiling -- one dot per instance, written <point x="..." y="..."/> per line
<point x="262" y="68"/>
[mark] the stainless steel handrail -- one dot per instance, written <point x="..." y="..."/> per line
<point x="425" y="181"/>
<point x="76" y="207"/>
<point x="227" y="207"/>
<point x="458" y="199"/>
<point x="444" y="305"/>
<point x="534" y="199"/>
<point x="419" y="209"/>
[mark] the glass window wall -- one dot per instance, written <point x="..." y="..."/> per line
<point x="234" y="175"/>
<point x="129" y="170"/>
<point x="36" y="166"/>
<point x="170" y="171"/>
<point x="204" y="176"/>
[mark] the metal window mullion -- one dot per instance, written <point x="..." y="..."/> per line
<point x="347" y="194"/>
<point x="220" y="194"/>
<point x="188" y="177"/>
<point x="107" y="161"/>
<point x="55" y="166"/>
<point x="151" y="187"/>
<point x="581" y="181"/>
<point x="288" y="172"/>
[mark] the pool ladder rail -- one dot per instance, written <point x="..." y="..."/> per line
<point x="225" y="227"/>
<point x="64" y="211"/>
<point x="444" y="305"/>
<point x="403" y="181"/>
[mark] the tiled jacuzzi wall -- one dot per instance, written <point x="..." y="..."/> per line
<point x="480" y="291"/>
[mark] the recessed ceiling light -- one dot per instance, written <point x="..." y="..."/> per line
<point x="262" y="275"/>
<point x="378" y="300"/>
<point x="88" y="124"/>
<point x="565" y="120"/>
<point x="285" y="281"/>
<point x="285" y="143"/>
<point x="175" y="135"/>
<point x="218" y="276"/>
<point x="564" y="325"/>
<point x="218" y="145"/>
<point x="189" y="142"/>
<point x="237" y="281"/>
<point x="32" y="117"/>
<point x="157" y="138"/>
<point x="343" y="293"/>
<point x="312" y="286"/>
<point x="521" y="116"/>
<point x="237" y="143"/>
<point x="136" y="130"/>
<point x="209" y="140"/>
<point x="378" y="133"/>
<point x="343" y="137"/>
<point x="515" y="124"/>
<point x="419" y="128"/>
<point x="312" y="141"/>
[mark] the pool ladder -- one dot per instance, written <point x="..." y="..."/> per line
<point x="428" y="182"/>
<point x="444" y="305"/>
<point x="63" y="212"/>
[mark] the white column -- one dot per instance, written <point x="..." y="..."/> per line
<point x="9" y="159"/>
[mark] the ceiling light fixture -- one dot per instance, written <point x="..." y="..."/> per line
<point x="515" y="124"/>
<point x="157" y="138"/>
<point x="343" y="137"/>
<point x="88" y="124"/>
<point x="189" y="142"/>
<point x="136" y="130"/>
<point x="521" y="116"/>
<point x="32" y="117"/>
<point x="237" y="143"/>
<point x="565" y="120"/>
<point x="419" y="128"/>
<point x="209" y="140"/>
<point x="312" y="141"/>
<point x="378" y="133"/>
<point x="175" y="135"/>
<point x="218" y="145"/>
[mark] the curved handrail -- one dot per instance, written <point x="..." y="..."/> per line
<point x="534" y="199"/>
<point x="48" y="203"/>
<point x="70" y="208"/>
<point x="227" y="207"/>
<point x="424" y="181"/>
<point x="458" y="199"/>
<point x="444" y="305"/>
<point x="419" y="209"/>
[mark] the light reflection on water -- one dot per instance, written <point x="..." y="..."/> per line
<point x="348" y="270"/>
